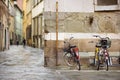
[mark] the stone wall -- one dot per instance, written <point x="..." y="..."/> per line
<point x="98" y="22"/>
<point x="107" y="22"/>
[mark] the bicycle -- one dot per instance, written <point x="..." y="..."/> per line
<point x="101" y="52"/>
<point x="71" y="56"/>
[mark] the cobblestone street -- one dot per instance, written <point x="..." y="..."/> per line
<point x="20" y="63"/>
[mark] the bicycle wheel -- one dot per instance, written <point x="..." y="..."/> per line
<point x="69" y="59"/>
<point x="98" y="62"/>
<point x="106" y="66"/>
<point x="98" y="65"/>
<point x="78" y="65"/>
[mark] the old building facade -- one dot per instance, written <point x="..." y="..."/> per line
<point x="33" y="22"/>
<point x="11" y="30"/>
<point x="18" y="23"/>
<point x="37" y="23"/>
<point x="24" y="19"/>
<point x="80" y="19"/>
<point x="27" y="21"/>
<point x="15" y="21"/>
<point x="12" y="22"/>
<point x="4" y="25"/>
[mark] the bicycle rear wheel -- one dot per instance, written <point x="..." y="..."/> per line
<point x="78" y="65"/>
<point x="106" y="66"/>
<point x="69" y="59"/>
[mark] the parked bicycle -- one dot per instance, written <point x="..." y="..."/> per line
<point x="101" y="52"/>
<point x="71" y="55"/>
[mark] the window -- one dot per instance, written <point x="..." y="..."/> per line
<point x="26" y="0"/>
<point x="40" y="23"/>
<point x="39" y="0"/>
<point x="107" y="2"/>
<point x="107" y="5"/>
<point x="35" y="26"/>
<point x="35" y="2"/>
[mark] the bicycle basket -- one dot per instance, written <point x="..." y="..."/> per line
<point x="105" y="43"/>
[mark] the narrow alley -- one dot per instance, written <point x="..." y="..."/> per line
<point x="20" y="63"/>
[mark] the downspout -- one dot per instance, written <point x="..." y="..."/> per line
<point x="57" y="33"/>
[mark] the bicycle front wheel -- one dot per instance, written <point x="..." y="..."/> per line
<point x="98" y="62"/>
<point x="69" y="59"/>
<point x="98" y="65"/>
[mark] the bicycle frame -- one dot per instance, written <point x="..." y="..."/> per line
<point x="104" y="54"/>
<point x="76" y="52"/>
<point x="96" y="52"/>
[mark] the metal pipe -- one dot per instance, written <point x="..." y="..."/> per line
<point x="56" y="33"/>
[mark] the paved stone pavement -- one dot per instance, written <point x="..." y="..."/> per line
<point x="90" y="74"/>
<point x="20" y="63"/>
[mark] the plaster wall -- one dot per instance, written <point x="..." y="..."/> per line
<point x="69" y="5"/>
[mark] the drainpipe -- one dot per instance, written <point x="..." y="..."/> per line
<point x="56" y="33"/>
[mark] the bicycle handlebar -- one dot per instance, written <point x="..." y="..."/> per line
<point x="69" y="40"/>
<point x="97" y="36"/>
<point x="101" y="37"/>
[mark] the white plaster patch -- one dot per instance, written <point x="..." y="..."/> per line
<point x="62" y="36"/>
<point x="52" y="36"/>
